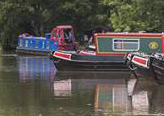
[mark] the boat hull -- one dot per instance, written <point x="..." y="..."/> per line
<point x="154" y="66"/>
<point x="158" y="70"/>
<point x="90" y="63"/>
<point x="33" y="52"/>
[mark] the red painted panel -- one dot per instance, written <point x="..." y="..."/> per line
<point x="139" y="60"/>
<point x="67" y="56"/>
<point x="162" y="44"/>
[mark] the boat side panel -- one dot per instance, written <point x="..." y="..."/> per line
<point x="105" y="45"/>
<point x="62" y="64"/>
<point x="97" y="58"/>
<point x="34" y="44"/>
<point x="151" y="45"/>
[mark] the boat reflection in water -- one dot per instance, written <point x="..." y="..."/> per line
<point x="62" y="88"/>
<point x="112" y="98"/>
<point x="113" y="92"/>
<point x="35" y="67"/>
<point x="66" y="82"/>
<point x="79" y="88"/>
<point x="44" y="91"/>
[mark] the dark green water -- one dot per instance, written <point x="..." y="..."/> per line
<point x="31" y="86"/>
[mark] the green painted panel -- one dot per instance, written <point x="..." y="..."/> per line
<point x="105" y="44"/>
<point x="145" y="45"/>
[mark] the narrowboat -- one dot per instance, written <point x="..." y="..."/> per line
<point x="82" y="60"/>
<point x="60" y="38"/>
<point x="147" y="64"/>
<point x="139" y="62"/>
<point x="157" y="65"/>
<point x="35" y="45"/>
<point x="110" y="51"/>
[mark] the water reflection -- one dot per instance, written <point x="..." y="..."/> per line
<point x="30" y="86"/>
<point x="79" y="87"/>
<point x="112" y="98"/>
<point x="113" y="95"/>
<point x="147" y="97"/>
<point x="35" y="67"/>
<point x="62" y="88"/>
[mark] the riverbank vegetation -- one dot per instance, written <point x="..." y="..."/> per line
<point x="38" y="17"/>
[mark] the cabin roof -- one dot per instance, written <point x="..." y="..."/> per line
<point x="64" y="26"/>
<point x="126" y="34"/>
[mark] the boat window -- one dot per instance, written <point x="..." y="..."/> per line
<point x="48" y="45"/>
<point x="20" y="43"/>
<point x="125" y="44"/>
<point x="54" y="34"/>
<point x="43" y="44"/>
<point x="26" y="43"/>
<point x="68" y="35"/>
<point x="36" y="44"/>
<point x="59" y="35"/>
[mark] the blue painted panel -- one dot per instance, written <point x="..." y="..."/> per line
<point x="21" y="42"/>
<point x="53" y="45"/>
<point x="37" y="43"/>
<point x="33" y="44"/>
<point x="48" y="35"/>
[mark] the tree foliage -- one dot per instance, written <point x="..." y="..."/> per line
<point x="137" y="15"/>
<point x="38" y="17"/>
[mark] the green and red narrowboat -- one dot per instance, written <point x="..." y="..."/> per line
<point x="147" y="65"/>
<point x="110" y="51"/>
<point x="157" y="65"/>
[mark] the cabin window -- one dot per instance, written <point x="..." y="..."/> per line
<point x="67" y="33"/>
<point x="54" y="34"/>
<point x="125" y="44"/>
<point x="48" y="45"/>
<point x="26" y="43"/>
<point x="36" y="44"/>
<point x="20" y="43"/>
<point x="43" y="44"/>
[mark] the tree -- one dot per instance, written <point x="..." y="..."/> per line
<point x="136" y="15"/>
<point x="12" y="23"/>
<point x="38" y="17"/>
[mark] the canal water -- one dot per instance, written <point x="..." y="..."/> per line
<point x="31" y="86"/>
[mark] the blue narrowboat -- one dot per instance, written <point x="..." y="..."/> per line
<point x="36" y="45"/>
<point x="61" y="38"/>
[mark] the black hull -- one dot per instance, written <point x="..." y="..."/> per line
<point x="154" y="69"/>
<point x="88" y="65"/>
<point x="32" y="52"/>
<point x="158" y="70"/>
<point x="143" y="72"/>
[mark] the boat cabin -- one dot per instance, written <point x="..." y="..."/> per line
<point x="64" y="36"/>
<point x="30" y="43"/>
<point x="61" y="38"/>
<point x="122" y="43"/>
